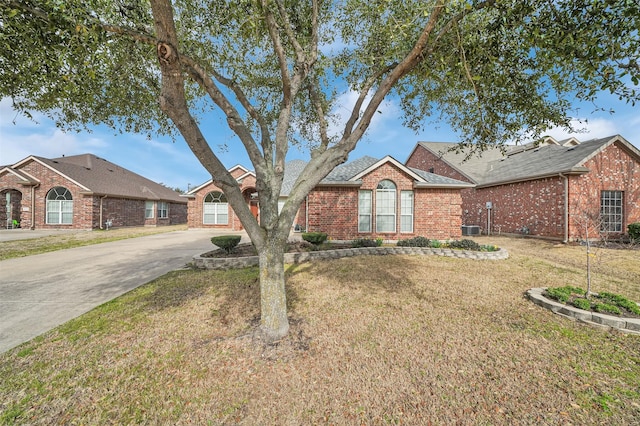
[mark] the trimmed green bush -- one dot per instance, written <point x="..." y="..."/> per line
<point x="364" y="242"/>
<point x="606" y="308"/>
<point x="226" y="242"/>
<point x="414" y="242"/>
<point x="315" y="238"/>
<point x="562" y="294"/>
<point x="464" y="245"/>
<point x="616" y="299"/>
<point x="583" y="304"/>
<point x="634" y="231"/>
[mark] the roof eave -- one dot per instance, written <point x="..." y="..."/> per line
<point x="574" y="171"/>
<point x="427" y="185"/>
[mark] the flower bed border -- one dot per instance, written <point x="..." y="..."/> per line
<point x="627" y="325"/>
<point x="243" y="262"/>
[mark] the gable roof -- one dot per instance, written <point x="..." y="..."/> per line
<point x="497" y="166"/>
<point x="351" y="174"/>
<point x="101" y="177"/>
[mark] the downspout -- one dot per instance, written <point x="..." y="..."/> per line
<point x="33" y="206"/>
<point x="306" y="214"/>
<point x="566" y="208"/>
<point x="101" y="198"/>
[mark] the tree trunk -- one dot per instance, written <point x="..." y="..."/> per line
<point x="274" y="323"/>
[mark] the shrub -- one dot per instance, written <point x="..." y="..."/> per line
<point x="379" y="242"/>
<point x="414" y="242"/>
<point x="465" y="245"/>
<point x="606" y="308"/>
<point x="634" y="231"/>
<point x="315" y="238"/>
<point x="562" y="294"/>
<point x="583" y="304"/>
<point x="621" y="301"/>
<point x="435" y="244"/>
<point x="364" y="242"/>
<point x="558" y="294"/>
<point x="226" y="242"/>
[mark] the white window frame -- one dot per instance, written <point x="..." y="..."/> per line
<point x="163" y="210"/>
<point x="406" y="211"/>
<point x="364" y="211"/>
<point x="59" y="203"/>
<point x="149" y="208"/>
<point x="216" y="211"/>
<point x="612" y="211"/>
<point x="386" y="193"/>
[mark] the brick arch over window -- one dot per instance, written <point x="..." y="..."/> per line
<point x="386" y="206"/>
<point x="59" y="206"/>
<point x="216" y="209"/>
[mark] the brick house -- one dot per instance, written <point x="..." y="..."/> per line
<point x="365" y="198"/>
<point x="559" y="189"/>
<point x="83" y="192"/>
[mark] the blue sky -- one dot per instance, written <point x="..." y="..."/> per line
<point x="172" y="163"/>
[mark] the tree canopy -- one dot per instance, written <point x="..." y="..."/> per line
<point x="496" y="70"/>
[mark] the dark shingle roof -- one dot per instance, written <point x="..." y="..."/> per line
<point x="523" y="162"/>
<point x="344" y="172"/>
<point x="102" y="177"/>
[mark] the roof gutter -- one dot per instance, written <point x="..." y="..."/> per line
<point x="570" y="172"/>
<point x="443" y="185"/>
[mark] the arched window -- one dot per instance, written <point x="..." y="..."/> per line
<point x="59" y="206"/>
<point x="216" y="209"/>
<point x="386" y="206"/>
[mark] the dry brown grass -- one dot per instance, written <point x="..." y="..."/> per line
<point x="31" y="246"/>
<point x="374" y="340"/>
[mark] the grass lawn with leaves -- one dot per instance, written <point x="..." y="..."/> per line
<point x="374" y="340"/>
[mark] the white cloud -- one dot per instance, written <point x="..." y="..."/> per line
<point x="588" y="129"/>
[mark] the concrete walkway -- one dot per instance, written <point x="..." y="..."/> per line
<point x="40" y="292"/>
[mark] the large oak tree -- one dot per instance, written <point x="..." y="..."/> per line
<point x="495" y="70"/>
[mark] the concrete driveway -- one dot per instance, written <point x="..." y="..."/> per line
<point x="40" y="292"/>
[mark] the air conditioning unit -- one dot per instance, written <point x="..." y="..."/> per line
<point x="470" y="230"/>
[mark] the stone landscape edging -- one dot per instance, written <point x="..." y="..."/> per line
<point x="627" y="325"/>
<point x="243" y="262"/>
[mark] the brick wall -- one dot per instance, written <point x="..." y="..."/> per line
<point x="196" y="204"/>
<point x="537" y="206"/>
<point x="533" y="207"/>
<point x="614" y="169"/>
<point x="423" y="159"/>
<point x="334" y="210"/>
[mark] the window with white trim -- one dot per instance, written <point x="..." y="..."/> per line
<point x="163" y="210"/>
<point x="59" y="206"/>
<point x="611" y="212"/>
<point x="364" y="211"/>
<point x="406" y="211"/>
<point x="148" y="209"/>
<point x="216" y="209"/>
<point x="386" y="206"/>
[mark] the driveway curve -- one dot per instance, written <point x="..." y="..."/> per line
<point x="40" y="292"/>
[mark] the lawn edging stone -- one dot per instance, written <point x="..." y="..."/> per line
<point x="627" y="325"/>
<point x="201" y="262"/>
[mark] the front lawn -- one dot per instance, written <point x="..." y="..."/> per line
<point x="374" y="340"/>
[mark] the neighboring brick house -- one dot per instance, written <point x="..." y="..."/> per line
<point x="365" y="198"/>
<point x="552" y="189"/>
<point x="83" y="192"/>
